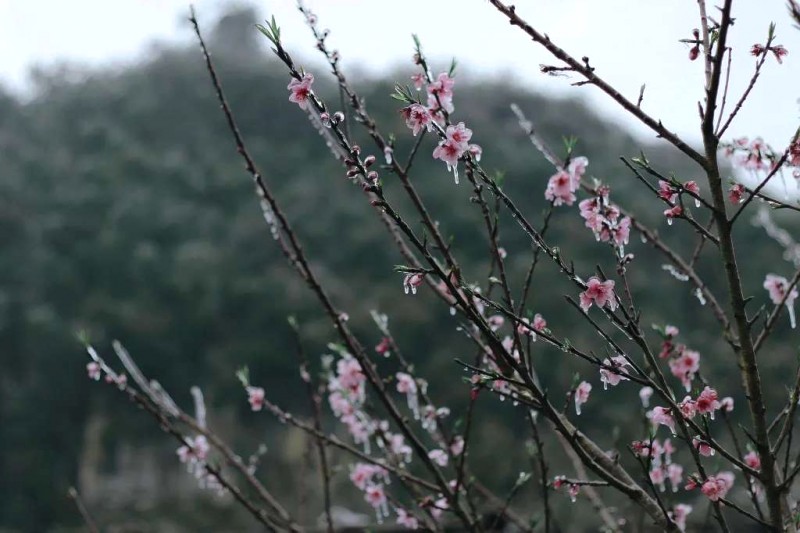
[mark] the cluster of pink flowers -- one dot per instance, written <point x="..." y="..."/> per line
<point x="601" y="293"/>
<point x="603" y="218"/>
<point x="778" y="288"/>
<point x="671" y="194"/>
<point x="755" y="155"/>
<point x="736" y="193"/>
<point x="562" y="185"/>
<point x="440" y="101"/>
<point x="346" y="397"/>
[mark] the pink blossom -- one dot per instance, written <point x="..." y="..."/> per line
<point x="716" y="487"/>
<point x="419" y="80"/>
<point x="412" y="281"/>
<point x="495" y="322"/>
<point x="644" y="395"/>
<point x="255" y="395"/>
<point x="726" y="404"/>
<point x="350" y="375"/>
<point x="702" y="447"/>
<point x="576" y="169"/>
<point x="679" y="514"/>
<point x="688" y="408"/>
<point x="375" y="496"/>
<point x="460" y="135"/>
<point x="621" y="233"/>
<point x="692" y="187"/>
<point x="778" y="287"/>
<point x="675" y="475"/>
<point x="667" y="192"/>
<point x="707" y="402"/>
<point x="384" y="347"/>
<point x="663" y="416"/>
<point x="752" y="460"/>
<point x="94" y="370"/>
<point x="450" y="152"/>
<point x="406" y="519"/>
<point x="658" y="478"/>
<point x="417" y="117"/>
<point x="406" y="383"/>
<point x="559" y="189"/>
<point x="438" y="456"/>
<point x="582" y="395"/>
<point x="442" y="88"/>
<point x="757" y="50"/>
<point x="599" y="292"/>
<point x="457" y="446"/>
<point x="573" y="490"/>
<point x="362" y="473"/>
<point x="673" y="212"/>
<point x="685" y="366"/>
<point x="475" y="151"/>
<point x="559" y="481"/>
<point x="300" y="90"/>
<point x="779" y="52"/>
<point x="613" y="377"/>
<point x="671" y="331"/>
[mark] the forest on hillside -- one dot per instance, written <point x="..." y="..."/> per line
<point x="125" y="214"/>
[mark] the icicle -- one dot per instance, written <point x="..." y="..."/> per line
<point x="699" y="294"/>
<point x="697" y="202"/>
<point x="669" y="221"/>
<point x="792" y="320"/>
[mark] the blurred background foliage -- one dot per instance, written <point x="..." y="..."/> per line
<point x="125" y="213"/>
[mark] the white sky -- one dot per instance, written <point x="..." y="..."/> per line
<point x="629" y="42"/>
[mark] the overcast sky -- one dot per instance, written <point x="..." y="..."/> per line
<point x="629" y="42"/>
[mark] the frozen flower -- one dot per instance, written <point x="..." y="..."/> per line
<point x="559" y="189"/>
<point x="384" y="347"/>
<point x="726" y="404"/>
<point x="778" y="287"/>
<point x="582" y="395"/>
<point x="644" y="395"/>
<point x="442" y="90"/>
<point x="716" y="487"/>
<point x="702" y="447"/>
<point x="255" y="396"/>
<point x="658" y="478"/>
<point x="418" y="80"/>
<point x="300" y="90"/>
<point x="673" y="212"/>
<point x="417" y="118"/>
<point x="495" y="322"/>
<point x="612" y="376"/>
<point x="406" y="519"/>
<point x="688" y="408"/>
<point x="438" y="456"/>
<point x="412" y="281"/>
<point x="675" y="475"/>
<point x="663" y="416"/>
<point x="449" y="151"/>
<point x="376" y="497"/>
<point x="707" y="402"/>
<point x="685" y="366"/>
<point x="576" y="169"/>
<point x="752" y="460"/>
<point x="94" y="370"/>
<point x="459" y="134"/>
<point x="599" y="292"/>
<point x="457" y="446"/>
<point x="679" y="514"/>
<point x="779" y="52"/>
